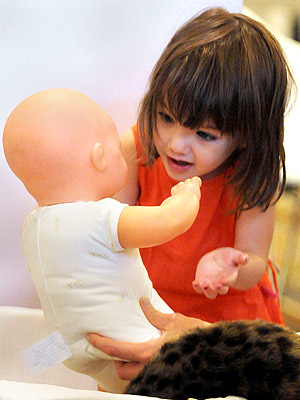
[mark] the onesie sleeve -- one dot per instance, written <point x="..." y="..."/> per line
<point x="114" y="215"/>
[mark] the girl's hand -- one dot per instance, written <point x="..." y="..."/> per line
<point x="189" y="185"/>
<point x="138" y="354"/>
<point x="218" y="270"/>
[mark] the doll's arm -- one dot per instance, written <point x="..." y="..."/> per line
<point x="141" y="226"/>
<point x="240" y="267"/>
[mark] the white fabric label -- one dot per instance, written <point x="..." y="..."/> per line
<point x="46" y="353"/>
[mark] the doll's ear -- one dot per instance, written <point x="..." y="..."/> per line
<point x="98" y="158"/>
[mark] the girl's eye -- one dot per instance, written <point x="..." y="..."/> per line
<point x="206" y="136"/>
<point x="166" y="117"/>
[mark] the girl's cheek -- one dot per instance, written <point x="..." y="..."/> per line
<point x="157" y="140"/>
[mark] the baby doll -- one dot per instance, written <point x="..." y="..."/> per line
<point x="79" y="244"/>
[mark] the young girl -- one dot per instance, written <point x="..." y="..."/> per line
<point x="214" y="108"/>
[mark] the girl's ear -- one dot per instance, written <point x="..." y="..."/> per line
<point x="98" y="157"/>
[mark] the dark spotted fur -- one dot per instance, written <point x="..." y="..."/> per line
<point x="253" y="359"/>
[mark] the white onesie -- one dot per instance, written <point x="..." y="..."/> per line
<point x="87" y="282"/>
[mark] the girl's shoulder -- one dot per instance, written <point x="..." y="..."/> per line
<point x="129" y="193"/>
<point x="138" y="145"/>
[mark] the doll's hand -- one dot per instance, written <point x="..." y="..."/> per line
<point x="189" y="185"/>
<point x="218" y="270"/>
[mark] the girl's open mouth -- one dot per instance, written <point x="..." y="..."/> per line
<point x="179" y="165"/>
<point x="180" y="162"/>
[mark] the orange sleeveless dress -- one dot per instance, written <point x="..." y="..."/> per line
<point x="171" y="266"/>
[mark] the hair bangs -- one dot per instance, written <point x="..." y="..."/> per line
<point x="229" y="71"/>
<point x="195" y="89"/>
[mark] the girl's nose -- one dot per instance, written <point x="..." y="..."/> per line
<point x="178" y="143"/>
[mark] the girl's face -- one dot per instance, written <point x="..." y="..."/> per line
<point x="189" y="152"/>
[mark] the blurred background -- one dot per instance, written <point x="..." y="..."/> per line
<point x="106" y="49"/>
<point x="284" y="15"/>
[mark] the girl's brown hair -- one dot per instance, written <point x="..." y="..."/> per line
<point x="229" y="69"/>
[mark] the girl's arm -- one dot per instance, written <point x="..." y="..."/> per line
<point x="141" y="226"/>
<point x="240" y="267"/>
<point x="130" y="192"/>
<point x="254" y="232"/>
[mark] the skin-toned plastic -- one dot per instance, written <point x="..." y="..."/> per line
<point x="65" y="148"/>
<point x="80" y="244"/>
<point x="54" y="142"/>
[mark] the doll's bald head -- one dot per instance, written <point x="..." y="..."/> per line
<point x="57" y="142"/>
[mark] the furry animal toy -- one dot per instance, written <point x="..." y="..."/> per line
<point x="254" y="359"/>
